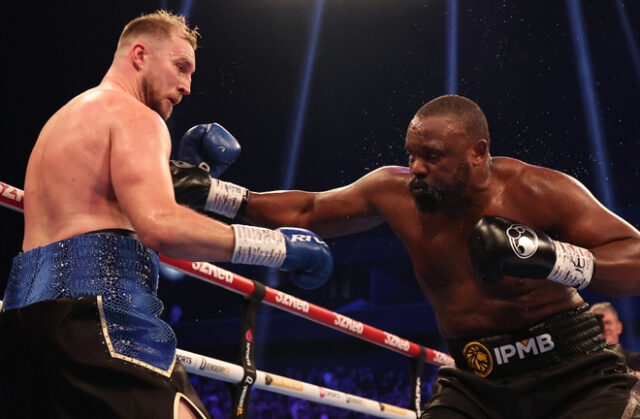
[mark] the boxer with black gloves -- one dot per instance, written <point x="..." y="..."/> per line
<point x="499" y="246"/>
<point x="525" y="346"/>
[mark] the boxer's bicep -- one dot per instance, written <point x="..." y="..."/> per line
<point x="582" y="219"/>
<point x="330" y="213"/>
<point x="573" y="215"/>
<point x="346" y="210"/>
<point x="140" y="175"/>
<point x="614" y="243"/>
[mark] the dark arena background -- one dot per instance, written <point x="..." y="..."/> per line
<point x="320" y="92"/>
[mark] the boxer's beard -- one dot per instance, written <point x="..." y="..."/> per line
<point x="154" y="100"/>
<point x="430" y="197"/>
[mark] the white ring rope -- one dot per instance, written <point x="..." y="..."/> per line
<point x="12" y="198"/>
<point x="224" y="371"/>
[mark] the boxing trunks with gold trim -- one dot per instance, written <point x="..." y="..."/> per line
<point x="81" y="317"/>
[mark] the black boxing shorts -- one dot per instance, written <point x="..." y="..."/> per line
<point x="81" y="336"/>
<point x="56" y="364"/>
<point x="559" y="368"/>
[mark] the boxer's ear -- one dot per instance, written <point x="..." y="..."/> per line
<point x="138" y="53"/>
<point x="479" y="150"/>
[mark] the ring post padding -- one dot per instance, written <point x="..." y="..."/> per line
<point x="416" y="366"/>
<point x="241" y="392"/>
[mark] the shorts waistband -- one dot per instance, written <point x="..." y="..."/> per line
<point x="557" y="338"/>
<point x="116" y="231"/>
<point x="96" y="263"/>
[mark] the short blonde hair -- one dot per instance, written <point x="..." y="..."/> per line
<point x="161" y="24"/>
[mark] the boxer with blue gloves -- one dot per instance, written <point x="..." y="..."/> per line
<point x="81" y="307"/>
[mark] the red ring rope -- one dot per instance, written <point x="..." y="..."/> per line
<point x="12" y="197"/>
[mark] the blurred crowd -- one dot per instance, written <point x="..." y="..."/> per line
<point x="392" y="387"/>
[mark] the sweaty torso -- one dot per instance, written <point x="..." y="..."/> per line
<point x="437" y="244"/>
<point x="67" y="186"/>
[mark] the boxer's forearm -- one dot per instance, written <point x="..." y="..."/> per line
<point x="329" y="214"/>
<point x="279" y="208"/>
<point x="180" y="233"/>
<point x="617" y="268"/>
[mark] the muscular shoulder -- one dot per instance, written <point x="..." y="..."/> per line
<point x="554" y="194"/>
<point x="127" y="118"/>
<point x="387" y="177"/>
<point x="533" y="180"/>
<point x="120" y="107"/>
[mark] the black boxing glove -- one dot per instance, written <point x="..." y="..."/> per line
<point x="499" y="246"/>
<point x="194" y="187"/>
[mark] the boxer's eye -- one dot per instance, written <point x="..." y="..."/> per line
<point x="410" y="157"/>
<point x="183" y="67"/>
<point x="432" y="157"/>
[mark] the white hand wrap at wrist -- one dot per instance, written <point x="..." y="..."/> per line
<point x="574" y="265"/>
<point x="258" y="246"/>
<point x="225" y="198"/>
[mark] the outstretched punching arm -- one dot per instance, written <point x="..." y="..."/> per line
<point x="586" y="244"/>
<point x="332" y="213"/>
<point x="336" y="212"/>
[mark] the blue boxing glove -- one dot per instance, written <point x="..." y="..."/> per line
<point x="296" y="250"/>
<point x="308" y="256"/>
<point x="211" y="144"/>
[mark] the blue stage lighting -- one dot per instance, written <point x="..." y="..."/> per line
<point x="452" y="47"/>
<point x="631" y="40"/>
<point x="595" y="134"/>
<point x="303" y="95"/>
<point x="185" y="8"/>
<point x="289" y="175"/>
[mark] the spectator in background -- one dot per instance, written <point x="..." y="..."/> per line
<point x="612" y="328"/>
<point x="212" y="404"/>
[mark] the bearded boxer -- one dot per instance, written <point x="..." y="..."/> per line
<point x="80" y="333"/>
<point x="500" y="248"/>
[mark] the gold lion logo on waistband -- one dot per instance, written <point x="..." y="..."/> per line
<point x="478" y="358"/>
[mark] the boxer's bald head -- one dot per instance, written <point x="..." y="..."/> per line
<point x="447" y="143"/>
<point x="463" y="110"/>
